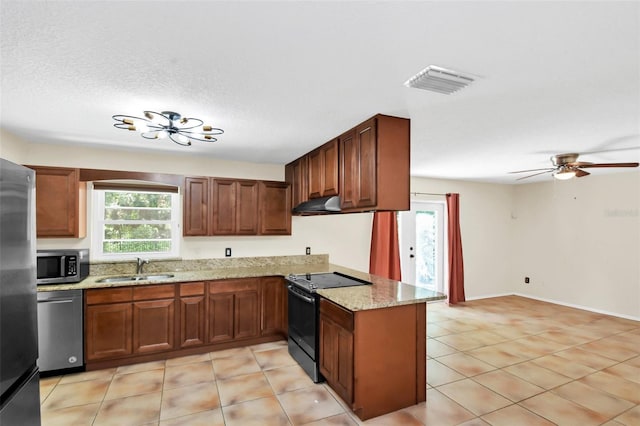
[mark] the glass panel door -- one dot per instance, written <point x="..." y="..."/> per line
<point x="422" y="251"/>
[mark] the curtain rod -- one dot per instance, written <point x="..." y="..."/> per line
<point x="427" y="193"/>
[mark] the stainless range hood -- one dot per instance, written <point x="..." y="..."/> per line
<point x="319" y="205"/>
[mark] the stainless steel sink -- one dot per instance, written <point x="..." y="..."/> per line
<point x="135" y="278"/>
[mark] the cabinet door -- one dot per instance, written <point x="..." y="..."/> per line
<point x="108" y="331"/>
<point x="273" y="309"/>
<point x="296" y="175"/>
<point x="331" y="165"/>
<point x="58" y="197"/>
<point x="343" y="376"/>
<point x="349" y="170"/>
<point x="315" y="173"/>
<point x="220" y="310"/>
<point x="192" y="321"/>
<point x="366" y="165"/>
<point x="153" y="323"/>
<point x="196" y="202"/>
<point x="247" y="207"/>
<point x="275" y="215"/>
<point x="328" y="348"/>
<point x="246" y="315"/>
<point x="223" y="207"/>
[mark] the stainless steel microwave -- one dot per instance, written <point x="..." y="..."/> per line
<point x="62" y="266"/>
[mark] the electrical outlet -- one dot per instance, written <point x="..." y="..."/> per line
<point x="526" y="280"/>
<point x="227" y="252"/>
<point x="308" y="250"/>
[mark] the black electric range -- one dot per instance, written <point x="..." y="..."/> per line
<point x="304" y="310"/>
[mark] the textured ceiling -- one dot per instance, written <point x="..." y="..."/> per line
<point x="283" y="77"/>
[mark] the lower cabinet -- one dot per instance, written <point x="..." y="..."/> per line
<point x="273" y="306"/>
<point x="361" y="349"/>
<point x="108" y="331"/>
<point x="153" y="323"/>
<point x="192" y="309"/>
<point x="134" y="323"/>
<point x="336" y="348"/>
<point x="234" y="309"/>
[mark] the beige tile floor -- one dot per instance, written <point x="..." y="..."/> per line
<point x="503" y="361"/>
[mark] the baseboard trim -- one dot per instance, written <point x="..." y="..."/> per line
<point x="556" y="302"/>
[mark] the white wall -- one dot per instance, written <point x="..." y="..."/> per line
<point x="346" y="238"/>
<point x="579" y="242"/>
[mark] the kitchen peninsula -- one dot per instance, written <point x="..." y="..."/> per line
<point x="372" y="338"/>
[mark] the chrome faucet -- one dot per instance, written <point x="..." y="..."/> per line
<point x="140" y="265"/>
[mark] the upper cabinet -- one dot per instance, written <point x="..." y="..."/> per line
<point x="275" y="213"/>
<point x="368" y="165"/>
<point x="296" y="174"/>
<point x="234" y="207"/>
<point x="374" y="165"/>
<point x="61" y="208"/>
<point x="323" y="170"/>
<point x="220" y="206"/>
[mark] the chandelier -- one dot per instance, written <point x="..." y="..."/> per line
<point x="155" y="125"/>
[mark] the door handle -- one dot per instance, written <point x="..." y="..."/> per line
<point x="56" y="301"/>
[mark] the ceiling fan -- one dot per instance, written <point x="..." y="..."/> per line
<point x="566" y="166"/>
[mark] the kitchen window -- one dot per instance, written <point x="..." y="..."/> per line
<point x="135" y="221"/>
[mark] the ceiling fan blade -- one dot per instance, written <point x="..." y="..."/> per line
<point x="581" y="173"/>
<point x="548" y="169"/>
<point x="579" y="164"/>
<point x="610" y="165"/>
<point x="535" y="174"/>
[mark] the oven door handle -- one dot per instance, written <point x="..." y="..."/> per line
<point x="300" y="296"/>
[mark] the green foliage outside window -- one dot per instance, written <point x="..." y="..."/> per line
<point x="136" y="222"/>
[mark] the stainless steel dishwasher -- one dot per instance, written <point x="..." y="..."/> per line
<point x="60" y="330"/>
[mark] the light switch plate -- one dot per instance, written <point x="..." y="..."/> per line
<point x="227" y="252"/>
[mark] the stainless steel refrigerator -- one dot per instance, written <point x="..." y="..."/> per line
<point x="19" y="384"/>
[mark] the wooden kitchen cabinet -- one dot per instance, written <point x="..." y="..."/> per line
<point x="296" y="175"/>
<point x="153" y="318"/>
<point x="374" y="165"/>
<point x="336" y="348"/>
<point x="234" y="207"/>
<point x="233" y="310"/>
<point x="192" y="306"/>
<point x="139" y="323"/>
<point x="196" y="206"/>
<point x="274" y="306"/>
<point x="323" y="169"/>
<point x="108" y="316"/>
<point x="386" y="345"/>
<point x="275" y="214"/>
<point x="61" y="206"/>
<point x="108" y="331"/>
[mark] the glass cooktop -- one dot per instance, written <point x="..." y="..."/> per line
<point x="312" y="282"/>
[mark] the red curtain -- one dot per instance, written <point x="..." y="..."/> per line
<point x="385" y="249"/>
<point x="456" y="268"/>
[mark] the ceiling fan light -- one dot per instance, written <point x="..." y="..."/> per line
<point x="564" y="174"/>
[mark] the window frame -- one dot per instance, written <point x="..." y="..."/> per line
<point x="98" y="222"/>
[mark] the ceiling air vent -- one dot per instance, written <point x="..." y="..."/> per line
<point x="439" y="80"/>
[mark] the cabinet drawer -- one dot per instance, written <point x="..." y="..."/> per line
<point x="154" y="292"/>
<point x="337" y="314"/>
<point x="225" y="286"/>
<point x="108" y="295"/>
<point x="191" y="289"/>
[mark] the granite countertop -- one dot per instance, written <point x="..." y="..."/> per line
<point x="381" y="294"/>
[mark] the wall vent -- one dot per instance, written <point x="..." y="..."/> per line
<point x="439" y="80"/>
